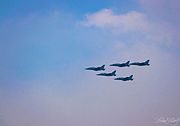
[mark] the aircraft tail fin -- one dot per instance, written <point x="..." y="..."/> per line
<point x="147" y="61"/>
<point x="131" y="77"/>
<point x="114" y="73"/>
<point x="102" y="66"/>
<point x="128" y="63"/>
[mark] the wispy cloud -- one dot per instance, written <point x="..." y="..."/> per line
<point x="128" y="22"/>
<point x="153" y="31"/>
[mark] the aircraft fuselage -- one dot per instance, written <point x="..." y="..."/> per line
<point x="120" y="65"/>
<point x="140" y="64"/>
<point x="106" y="74"/>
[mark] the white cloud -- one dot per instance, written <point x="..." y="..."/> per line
<point x="160" y="32"/>
<point x="106" y="18"/>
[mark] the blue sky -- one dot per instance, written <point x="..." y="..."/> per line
<point x="11" y="8"/>
<point x="45" y="46"/>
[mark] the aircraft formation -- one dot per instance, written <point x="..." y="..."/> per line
<point x="126" y="64"/>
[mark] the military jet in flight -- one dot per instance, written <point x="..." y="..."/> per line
<point x="96" y="68"/>
<point x="125" y="78"/>
<point x="107" y="74"/>
<point x="121" y="64"/>
<point x="145" y="63"/>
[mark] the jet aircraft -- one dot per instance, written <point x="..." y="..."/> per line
<point x="145" y="63"/>
<point x="107" y="74"/>
<point x="96" y="68"/>
<point x="121" y="64"/>
<point x="125" y="78"/>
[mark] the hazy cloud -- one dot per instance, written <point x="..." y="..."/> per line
<point x="166" y="15"/>
<point x="162" y="9"/>
<point x="101" y="101"/>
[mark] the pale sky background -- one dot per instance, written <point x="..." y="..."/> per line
<point x="46" y="44"/>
